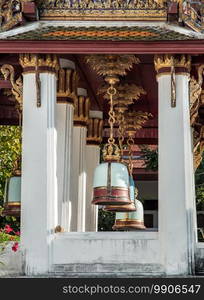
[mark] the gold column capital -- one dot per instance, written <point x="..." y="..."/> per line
<point x="164" y="63"/>
<point x="81" y="111"/>
<point x="67" y="82"/>
<point x="47" y="63"/>
<point x="95" y="131"/>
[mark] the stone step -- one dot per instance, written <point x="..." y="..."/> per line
<point x="116" y="269"/>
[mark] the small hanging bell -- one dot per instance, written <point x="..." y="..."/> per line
<point x="12" y="196"/>
<point x="130" y="221"/>
<point x="128" y="207"/>
<point x="111" y="184"/>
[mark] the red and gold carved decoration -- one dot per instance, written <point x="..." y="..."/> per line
<point x="11" y="13"/>
<point x="102" y="10"/>
<point x="126" y="94"/>
<point x="81" y="111"/>
<point x="164" y="63"/>
<point x="67" y="85"/>
<point x="47" y="63"/>
<point x="172" y="65"/>
<point x="134" y="121"/>
<point x="17" y="85"/>
<point x="95" y="131"/>
<point x="196" y="102"/>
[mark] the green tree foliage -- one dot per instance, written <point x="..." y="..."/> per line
<point x="199" y="182"/>
<point x="150" y="157"/>
<point x="106" y="220"/>
<point x="10" y="152"/>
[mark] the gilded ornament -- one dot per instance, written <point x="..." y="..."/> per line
<point x="169" y="65"/>
<point x="67" y="82"/>
<point x="17" y="84"/>
<point x="135" y="120"/>
<point x="102" y="9"/>
<point x="163" y="61"/>
<point x="195" y="93"/>
<point x="196" y="100"/>
<point x="33" y="60"/>
<point x="126" y="94"/>
<point x="11" y="13"/>
<point x="94" y="131"/>
<point x="81" y="111"/>
<point x="111" y="65"/>
<point x="167" y="61"/>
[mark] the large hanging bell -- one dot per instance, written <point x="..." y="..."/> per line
<point x="12" y="196"/>
<point x="130" y="221"/>
<point x="111" y="184"/>
<point x="128" y="207"/>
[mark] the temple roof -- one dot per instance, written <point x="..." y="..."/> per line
<point x="101" y="19"/>
<point x="62" y="30"/>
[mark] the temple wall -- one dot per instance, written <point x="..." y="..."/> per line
<point x="11" y="263"/>
<point x="74" y="253"/>
<point x="135" y="252"/>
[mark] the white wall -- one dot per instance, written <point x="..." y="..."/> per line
<point x="105" y="251"/>
<point x="12" y="262"/>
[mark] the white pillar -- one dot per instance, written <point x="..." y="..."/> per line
<point x="94" y="137"/>
<point x="39" y="154"/>
<point x="176" y="183"/>
<point x="78" y="178"/>
<point x="65" y="111"/>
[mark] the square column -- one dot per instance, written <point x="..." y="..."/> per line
<point x="78" y="174"/>
<point x="94" y="137"/>
<point x="66" y="95"/>
<point x="39" y="214"/>
<point x="176" y="173"/>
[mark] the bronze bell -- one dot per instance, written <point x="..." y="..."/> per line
<point x="111" y="184"/>
<point x="132" y="220"/>
<point x="128" y="207"/>
<point x="12" y="195"/>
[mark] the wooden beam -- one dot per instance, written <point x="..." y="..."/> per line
<point x="89" y="47"/>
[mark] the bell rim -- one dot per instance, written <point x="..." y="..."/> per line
<point x="11" y="210"/>
<point x="128" y="224"/>
<point x="102" y="201"/>
<point x="114" y="208"/>
<point x="123" y="227"/>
